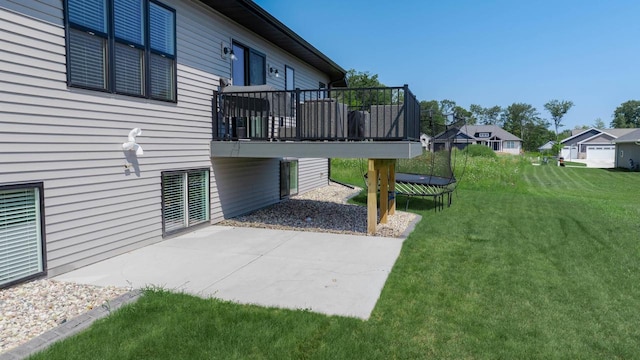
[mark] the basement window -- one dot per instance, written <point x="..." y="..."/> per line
<point x="21" y="233"/>
<point x="185" y="200"/>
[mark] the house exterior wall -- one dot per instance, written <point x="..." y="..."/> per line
<point x="70" y="138"/>
<point x="580" y="138"/>
<point x="514" y="151"/>
<point x="244" y="184"/>
<point x="312" y="173"/>
<point x="626" y="151"/>
<point x="602" y="139"/>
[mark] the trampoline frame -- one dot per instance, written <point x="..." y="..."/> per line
<point x="409" y="185"/>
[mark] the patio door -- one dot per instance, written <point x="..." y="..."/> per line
<point x="288" y="178"/>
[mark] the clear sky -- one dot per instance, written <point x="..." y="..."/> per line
<point x="484" y="52"/>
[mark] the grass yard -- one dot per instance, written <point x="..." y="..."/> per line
<point x="529" y="262"/>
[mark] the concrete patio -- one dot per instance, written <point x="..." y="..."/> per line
<point x="327" y="273"/>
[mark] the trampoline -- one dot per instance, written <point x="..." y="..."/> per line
<point x="432" y="174"/>
<point x="437" y="187"/>
<point x="425" y="185"/>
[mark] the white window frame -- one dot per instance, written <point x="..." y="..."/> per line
<point x="10" y="253"/>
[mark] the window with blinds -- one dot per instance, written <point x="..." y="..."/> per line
<point x="185" y="199"/>
<point x="134" y="54"/>
<point x="21" y="240"/>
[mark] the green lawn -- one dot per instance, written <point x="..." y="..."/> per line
<point x="529" y="262"/>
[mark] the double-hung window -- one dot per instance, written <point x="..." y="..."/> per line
<point x="122" y="46"/>
<point x="250" y="66"/>
<point x="185" y="199"/>
<point x="21" y="233"/>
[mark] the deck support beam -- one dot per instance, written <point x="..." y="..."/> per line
<point x="382" y="170"/>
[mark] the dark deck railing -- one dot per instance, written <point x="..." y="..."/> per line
<point x="378" y="114"/>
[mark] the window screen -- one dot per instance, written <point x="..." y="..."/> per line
<point x="122" y="46"/>
<point x="185" y="199"/>
<point x="87" y="61"/>
<point x="257" y="69"/>
<point x="21" y="246"/>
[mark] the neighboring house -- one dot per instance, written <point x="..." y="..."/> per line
<point x="628" y="150"/>
<point x="78" y="76"/>
<point x="592" y="144"/>
<point x="493" y="136"/>
<point x="547" y="146"/>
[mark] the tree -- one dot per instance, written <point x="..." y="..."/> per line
<point x="486" y="116"/>
<point x="516" y="116"/>
<point x="431" y="118"/>
<point x="364" y="98"/>
<point x="462" y="113"/>
<point x="598" y="124"/>
<point x="627" y="115"/>
<point x="358" y="79"/>
<point x="447" y="106"/>
<point x="558" y="109"/>
<point x="536" y="134"/>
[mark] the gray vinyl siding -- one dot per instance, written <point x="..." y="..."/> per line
<point x="600" y="139"/>
<point x="245" y="184"/>
<point x="70" y="138"/>
<point x="580" y="138"/>
<point x="312" y="173"/>
<point x="629" y="151"/>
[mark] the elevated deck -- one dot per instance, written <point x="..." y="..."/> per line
<point x="380" y="124"/>
<point x="257" y="121"/>
<point x="311" y="149"/>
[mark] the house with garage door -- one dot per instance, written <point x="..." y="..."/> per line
<point x="124" y="122"/>
<point x="592" y="144"/>
<point x="628" y="150"/>
<point x="493" y="136"/>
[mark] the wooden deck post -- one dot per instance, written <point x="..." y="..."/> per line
<point x="372" y="191"/>
<point x="392" y="187"/>
<point x="384" y="190"/>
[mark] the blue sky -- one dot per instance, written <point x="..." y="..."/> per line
<point x="484" y="52"/>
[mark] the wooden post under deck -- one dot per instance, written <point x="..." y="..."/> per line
<point x="385" y="171"/>
<point x="384" y="191"/>
<point x="392" y="187"/>
<point x="372" y="190"/>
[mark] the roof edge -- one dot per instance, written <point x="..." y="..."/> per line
<point x="337" y="75"/>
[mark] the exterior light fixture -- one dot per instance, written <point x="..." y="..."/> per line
<point x="227" y="52"/>
<point x="274" y="72"/>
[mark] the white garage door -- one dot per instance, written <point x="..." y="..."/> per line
<point x="601" y="152"/>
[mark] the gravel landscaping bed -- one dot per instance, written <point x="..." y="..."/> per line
<point x="30" y="309"/>
<point x="322" y="210"/>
